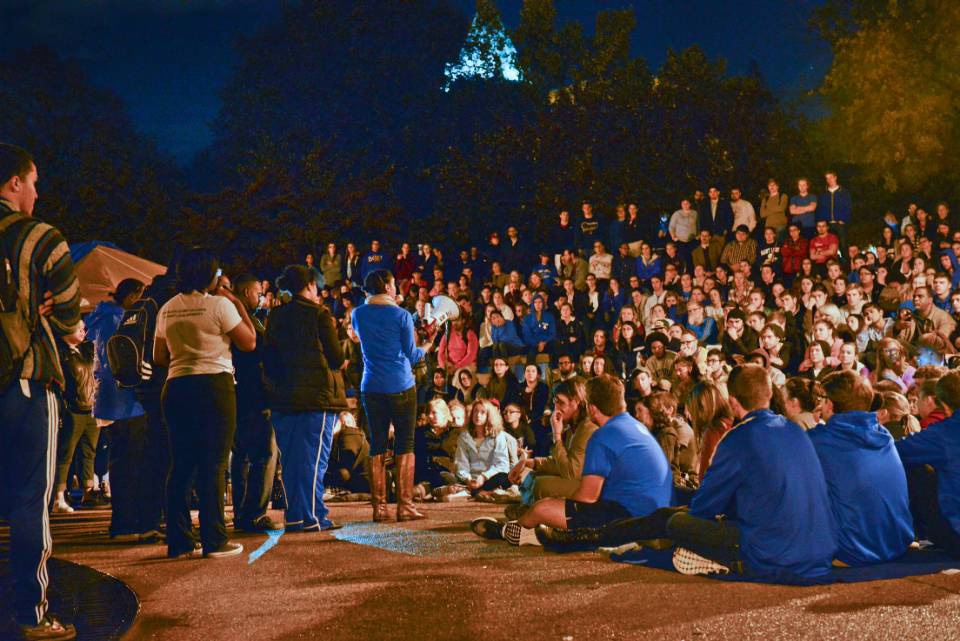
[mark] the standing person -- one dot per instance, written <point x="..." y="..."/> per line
<point x="683" y="229"/>
<point x="773" y="208"/>
<point x="301" y="361"/>
<point x="194" y="332"/>
<point x="331" y="265"/>
<point x="835" y="207"/>
<point x="39" y="259"/>
<point x="387" y="390"/>
<point x="254" y="461"/>
<point x="803" y="209"/>
<point x="716" y="216"/>
<point x="134" y="517"/>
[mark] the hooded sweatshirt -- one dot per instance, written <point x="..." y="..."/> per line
<point x="867" y="487"/>
<point x="939" y="446"/>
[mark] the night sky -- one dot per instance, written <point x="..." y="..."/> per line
<point x="168" y="59"/>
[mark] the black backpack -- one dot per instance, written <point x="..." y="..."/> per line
<point x="130" y="349"/>
<point x="16" y="328"/>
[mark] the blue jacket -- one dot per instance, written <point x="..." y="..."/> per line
<point x="535" y="331"/>
<point x="939" y="446"/>
<point x="388" y="347"/>
<point x="506" y="333"/>
<point x="765" y="476"/>
<point x="646" y="272"/>
<point x="722" y="224"/>
<point x="111" y="402"/>
<point x="834" y="207"/>
<point x="706" y="333"/>
<point x="867" y="488"/>
<point x="372" y="261"/>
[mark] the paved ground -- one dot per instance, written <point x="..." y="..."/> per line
<point x="434" y="579"/>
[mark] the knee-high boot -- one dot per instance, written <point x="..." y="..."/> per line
<point x="405" y="469"/>
<point x="378" y="489"/>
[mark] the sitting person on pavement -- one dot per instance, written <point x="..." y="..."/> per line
<point x="558" y="474"/>
<point x="625" y="474"/>
<point x="483" y="450"/>
<point x="932" y="460"/>
<point x="865" y="479"/>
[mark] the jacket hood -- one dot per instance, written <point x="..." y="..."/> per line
<point x="105" y="310"/>
<point x="858" y="428"/>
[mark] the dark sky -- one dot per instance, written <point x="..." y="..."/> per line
<point x="167" y="59"/>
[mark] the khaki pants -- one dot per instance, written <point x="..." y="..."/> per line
<point x="545" y="485"/>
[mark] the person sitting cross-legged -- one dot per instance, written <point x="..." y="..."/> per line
<point x="865" y="479"/>
<point x="932" y="460"/>
<point x="625" y="473"/>
<point x="762" y="509"/>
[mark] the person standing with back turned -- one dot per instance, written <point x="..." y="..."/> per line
<point x="387" y="389"/>
<point x="35" y="266"/>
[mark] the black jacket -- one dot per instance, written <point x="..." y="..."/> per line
<point x="301" y="359"/>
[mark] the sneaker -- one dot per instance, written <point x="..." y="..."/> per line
<point x="186" y="554"/>
<point x="260" y="524"/>
<point x="487" y="527"/>
<point x="49" y="629"/>
<point x="62" y="507"/>
<point x="514" y="511"/>
<point x="515" y="534"/>
<point x="225" y="550"/>
<point x="95" y="501"/>
<point x="687" y="562"/>
<point x="330" y="525"/>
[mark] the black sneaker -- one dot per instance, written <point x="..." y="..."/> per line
<point x="95" y="501"/>
<point x="225" y="550"/>
<point x="577" y="540"/>
<point x="185" y="554"/>
<point x="261" y="524"/>
<point x="487" y="527"/>
<point x="49" y="629"/>
<point x="330" y="525"/>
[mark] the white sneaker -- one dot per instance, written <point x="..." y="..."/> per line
<point x="687" y="562"/>
<point x="61" y="507"/>
<point x="515" y="534"/>
<point x="225" y="550"/>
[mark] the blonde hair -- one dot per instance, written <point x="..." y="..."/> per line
<point x="707" y="406"/>
<point x="494" y="424"/>
<point x="442" y="409"/>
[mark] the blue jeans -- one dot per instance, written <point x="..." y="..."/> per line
<point x="29" y="417"/>
<point x="382" y="409"/>
<point x="305" y="439"/>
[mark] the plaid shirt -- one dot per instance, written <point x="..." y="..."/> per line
<point x="735" y="251"/>
<point x="42" y="263"/>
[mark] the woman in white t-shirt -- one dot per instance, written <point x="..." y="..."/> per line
<point x="194" y="332"/>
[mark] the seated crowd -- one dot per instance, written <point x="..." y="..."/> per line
<point x="748" y="384"/>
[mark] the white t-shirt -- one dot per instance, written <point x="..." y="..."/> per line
<point x="195" y="326"/>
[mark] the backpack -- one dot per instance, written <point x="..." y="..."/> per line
<point x="130" y="349"/>
<point x="16" y="328"/>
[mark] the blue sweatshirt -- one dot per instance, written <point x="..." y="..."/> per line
<point x="939" y="446"/>
<point x="506" y="333"/>
<point x="867" y="488"/>
<point x="535" y="330"/>
<point x="765" y="476"/>
<point x="388" y="347"/>
<point x="834" y="206"/>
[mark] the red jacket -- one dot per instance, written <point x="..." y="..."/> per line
<point x="793" y="254"/>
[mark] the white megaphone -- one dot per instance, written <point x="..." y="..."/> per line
<point x="437" y="313"/>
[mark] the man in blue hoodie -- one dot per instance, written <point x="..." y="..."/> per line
<point x="503" y="333"/>
<point x="865" y="479"/>
<point x="762" y="509"/>
<point x="539" y="331"/>
<point x="932" y="459"/>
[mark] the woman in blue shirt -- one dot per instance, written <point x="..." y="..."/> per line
<point x="387" y="389"/>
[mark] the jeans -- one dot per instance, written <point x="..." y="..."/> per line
<point x="400" y="409"/>
<point x="134" y="509"/>
<point x="253" y="466"/>
<point x="201" y="413"/>
<point x="305" y="439"/>
<point x="29" y="417"/>
<point x="78" y="430"/>
<point x="716" y="540"/>
<point x="840" y="231"/>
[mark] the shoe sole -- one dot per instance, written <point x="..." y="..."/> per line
<point x="222" y="555"/>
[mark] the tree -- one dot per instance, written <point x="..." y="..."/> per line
<point x="893" y="89"/>
<point x="99" y="178"/>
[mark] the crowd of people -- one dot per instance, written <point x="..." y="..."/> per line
<point x="748" y="383"/>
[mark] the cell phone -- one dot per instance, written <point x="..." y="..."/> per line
<point x="219" y="272"/>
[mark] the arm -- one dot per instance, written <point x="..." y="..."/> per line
<point x="720" y="483"/>
<point x="59" y="278"/>
<point x="473" y="346"/>
<point x="591" y="486"/>
<point x="161" y="354"/>
<point x="413" y="353"/>
<point x="500" y="459"/>
<point x="926" y="447"/>
<point x="442" y="352"/>
<point x="461" y="460"/>
<point x="332" y="348"/>
<point x="243" y="335"/>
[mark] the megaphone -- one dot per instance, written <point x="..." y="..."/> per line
<point x="438" y="312"/>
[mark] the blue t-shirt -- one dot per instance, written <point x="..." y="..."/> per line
<point x="388" y="347"/>
<point x="807" y="220"/>
<point x="634" y="468"/>
<point x="766" y="477"/>
<point x="867" y="488"/>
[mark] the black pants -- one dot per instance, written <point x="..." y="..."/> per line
<point x="506" y="350"/>
<point x="28" y="449"/>
<point x="928" y="520"/>
<point x="253" y="466"/>
<point x="79" y="433"/>
<point x="400" y="409"/>
<point x="716" y="540"/>
<point x="157" y="466"/>
<point x="134" y="510"/>
<point x="201" y="413"/>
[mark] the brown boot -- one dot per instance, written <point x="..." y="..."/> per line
<point x="405" y="468"/>
<point x="378" y="489"/>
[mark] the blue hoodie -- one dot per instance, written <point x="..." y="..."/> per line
<point x="867" y="487"/>
<point x="535" y="330"/>
<point x="506" y="333"/>
<point x="939" y="446"/>
<point x="766" y="478"/>
<point x="111" y="402"/>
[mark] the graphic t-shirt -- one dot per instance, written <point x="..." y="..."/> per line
<point x="196" y="326"/>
